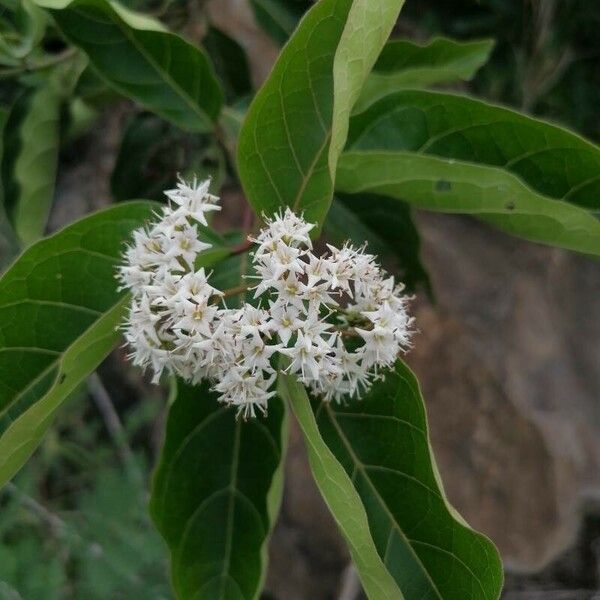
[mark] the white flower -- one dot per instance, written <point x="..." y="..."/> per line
<point x="257" y="354"/>
<point x="338" y="319"/>
<point x="287" y="227"/>
<point x="196" y="318"/>
<point x="194" y="200"/>
<point x="185" y="245"/>
<point x="285" y="320"/>
<point x="305" y="355"/>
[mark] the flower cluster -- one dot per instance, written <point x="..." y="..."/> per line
<point x="335" y="321"/>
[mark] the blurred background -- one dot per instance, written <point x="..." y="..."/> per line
<point x="508" y="354"/>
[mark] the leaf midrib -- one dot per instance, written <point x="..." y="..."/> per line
<point x="311" y="169"/>
<point x="157" y="68"/>
<point x="231" y="507"/>
<point x="57" y="361"/>
<point x="363" y="469"/>
<point x="360" y="467"/>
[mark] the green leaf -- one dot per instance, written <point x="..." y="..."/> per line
<point x="297" y="124"/>
<point x="93" y="90"/>
<point x="279" y="18"/>
<point x="551" y="160"/>
<point x="149" y="159"/>
<point x="8" y="242"/>
<point x="59" y="309"/>
<point x="216" y="494"/>
<point x="30" y="25"/>
<point x="388" y="229"/>
<point x="404" y="64"/>
<point x="381" y="443"/>
<point x="492" y="194"/>
<point x="142" y="60"/>
<point x="231" y="63"/>
<point x="153" y="153"/>
<point x="341" y="497"/>
<point x="52" y="386"/>
<point x="31" y="140"/>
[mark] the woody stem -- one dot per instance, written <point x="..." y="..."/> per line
<point x="235" y="291"/>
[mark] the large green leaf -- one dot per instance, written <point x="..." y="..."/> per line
<point x="59" y="308"/>
<point x="490" y="193"/>
<point x="216" y="494"/>
<point x="140" y="59"/>
<point x="30" y="159"/>
<point x="341" y="496"/>
<point x="381" y="443"/>
<point x="388" y="229"/>
<point x="549" y="159"/>
<point x="297" y="124"/>
<point x="404" y="64"/>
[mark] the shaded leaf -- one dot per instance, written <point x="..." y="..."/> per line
<point x="230" y="61"/>
<point x="23" y="27"/>
<point x="8" y="242"/>
<point x="149" y="159"/>
<point x="297" y="124"/>
<point x="381" y="443"/>
<point x="404" y="64"/>
<point x="153" y="153"/>
<point x="551" y="160"/>
<point x="79" y="119"/>
<point x="279" y="18"/>
<point x="59" y="310"/>
<point x="142" y="60"/>
<point x="31" y="140"/>
<point x="387" y="227"/>
<point x="93" y="90"/>
<point x="490" y="193"/>
<point x="216" y="494"/>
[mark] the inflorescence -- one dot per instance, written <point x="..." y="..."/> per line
<point x="335" y="321"/>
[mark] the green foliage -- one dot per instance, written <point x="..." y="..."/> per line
<point x="59" y="311"/>
<point x="30" y="158"/>
<point x="341" y="497"/>
<point x="382" y="445"/>
<point x="334" y="116"/>
<point x="490" y="193"/>
<point x="518" y="173"/>
<point x="545" y="60"/>
<point x="114" y="515"/>
<point x="22" y="27"/>
<point x="153" y="153"/>
<point x="231" y="64"/>
<point x="297" y="123"/>
<point x="75" y="523"/>
<point x="403" y="64"/>
<point x="140" y="59"/>
<point x="279" y="18"/>
<point x="551" y="160"/>
<point x="148" y="161"/>
<point x="216" y="494"/>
